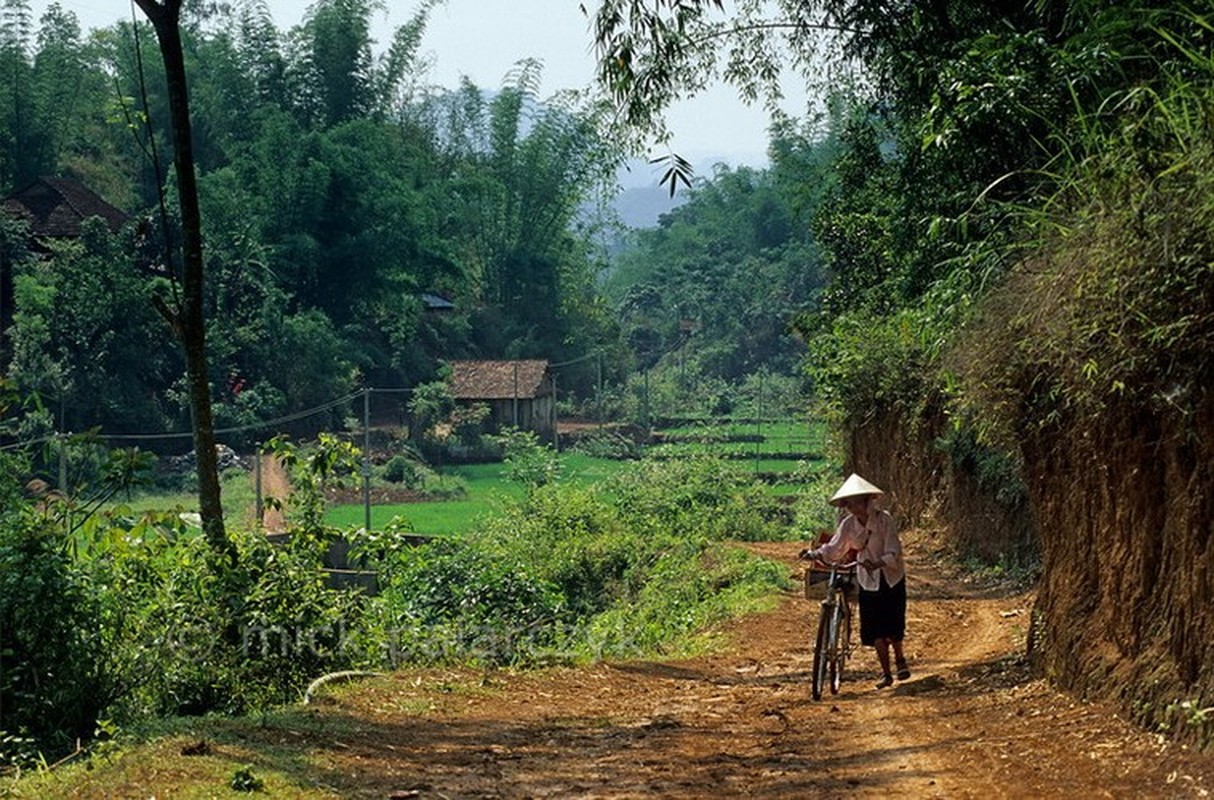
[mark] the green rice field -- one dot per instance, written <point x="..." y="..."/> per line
<point x="488" y="488"/>
<point x="735" y="439"/>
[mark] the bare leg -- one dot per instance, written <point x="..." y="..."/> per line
<point x="882" y="647"/>
<point x="900" y="661"/>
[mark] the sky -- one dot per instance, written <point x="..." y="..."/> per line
<point x="484" y="39"/>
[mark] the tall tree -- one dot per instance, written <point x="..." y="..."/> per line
<point x="80" y="337"/>
<point x="61" y="84"/>
<point x="262" y="58"/>
<point x="526" y="171"/>
<point x="332" y="74"/>
<point x="186" y="317"/>
<point x="15" y="77"/>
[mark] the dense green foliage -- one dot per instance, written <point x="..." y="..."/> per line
<point x="713" y="287"/>
<point x="620" y="568"/>
<point x="334" y="193"/>
<point x="78" y="323"/>
<point x="959" y="123"/>
<point x="969" y="141"/>
<point x="708" y="301"/>
<point x="982" y="123"/>
<point x="1131" y="327"/>
<point x="52" y="685"/>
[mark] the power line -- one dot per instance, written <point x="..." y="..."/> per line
<point x="30" y="443"/>
<point x="294" y="417"/>
<point x="243" y="428"/>
<point x="578" y="360"/>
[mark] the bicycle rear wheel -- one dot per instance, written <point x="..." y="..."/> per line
<point x="840" y="632"/>
<point x="818" y="677"/>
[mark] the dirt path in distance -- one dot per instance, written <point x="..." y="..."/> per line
<point x="970" y="723"/>
<point x="274" y="483"/>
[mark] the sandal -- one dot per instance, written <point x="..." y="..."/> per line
<point x="888" y="680"/>
<point x="903" y="671"/>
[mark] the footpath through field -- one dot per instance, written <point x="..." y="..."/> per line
<point x="969" y="723"/>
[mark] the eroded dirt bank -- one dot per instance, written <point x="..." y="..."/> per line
<point x="969" y="723"/>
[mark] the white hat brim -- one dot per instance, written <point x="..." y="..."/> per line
<point x="854" y="486"/>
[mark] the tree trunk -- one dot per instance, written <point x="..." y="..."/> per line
<point x="188" y="320"/>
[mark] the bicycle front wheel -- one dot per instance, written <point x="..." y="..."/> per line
<point x="818" y="677"/>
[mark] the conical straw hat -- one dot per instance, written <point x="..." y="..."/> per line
<point x="854" y="486"/>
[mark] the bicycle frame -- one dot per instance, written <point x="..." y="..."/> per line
<point x="833" y="643"/>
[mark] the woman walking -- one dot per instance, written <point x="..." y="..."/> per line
<point x="881" y="574"/>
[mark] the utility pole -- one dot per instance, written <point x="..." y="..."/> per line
<point x="514" y="401"/>
<point x="367" y="459"/>
<point x="648" y="424"/>
<point x="556" y="436"/>
<point x="257" y="505"/>
<point x="759" y="422"/>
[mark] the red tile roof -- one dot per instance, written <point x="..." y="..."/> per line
<point x="495" y="380"/>
<point x="56" y="207"/>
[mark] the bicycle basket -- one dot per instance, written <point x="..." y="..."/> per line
<point x="815" y="583"/>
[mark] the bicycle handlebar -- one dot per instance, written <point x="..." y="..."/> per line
<point x="832" y="564"/>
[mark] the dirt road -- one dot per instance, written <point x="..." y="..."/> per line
<point x="969" y="723"/>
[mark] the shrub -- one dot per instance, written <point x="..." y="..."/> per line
<point x="468" y="424"/>
<point x="581" y="572"/>
<point x="163" y="615"/>
<point x="702" y="496"/>
<point x="402" y="469"/>
<point x="528" y="462"/>
<point x="573" y="538"/>
<point x="608" y="444"/>
<point x="688" y="586"/>
<point x="181" y="635"/>
<point x="293" y="626"/>
<point x="51" y="685"/>
<point x="313" y="469"/>
<point x="449" y="602"/>
<point x="812" y="513"/>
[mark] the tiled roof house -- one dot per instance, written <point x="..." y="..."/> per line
<point x="57" y="207"/>
<point x="519" y="394"/>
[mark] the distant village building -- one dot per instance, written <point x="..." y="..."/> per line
<point x="56" y="208"/>
<point x="52" y="208"/>
<point x="519" y="394"/>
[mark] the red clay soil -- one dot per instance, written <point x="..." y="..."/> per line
<point x="969" y="723"/>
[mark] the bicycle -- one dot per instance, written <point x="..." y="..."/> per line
<point x="833" y="643"/>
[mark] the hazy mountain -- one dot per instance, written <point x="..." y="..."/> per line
<point x="642" y="200"/>
<point x="640" y="206"/>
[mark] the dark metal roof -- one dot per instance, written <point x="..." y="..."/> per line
<point x="56" y="207"/>
<point x="498" y="380"/>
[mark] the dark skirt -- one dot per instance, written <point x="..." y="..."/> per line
<point x="883" y="613"/>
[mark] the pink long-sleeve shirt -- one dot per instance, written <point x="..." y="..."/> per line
<point x="876" y="541"/>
